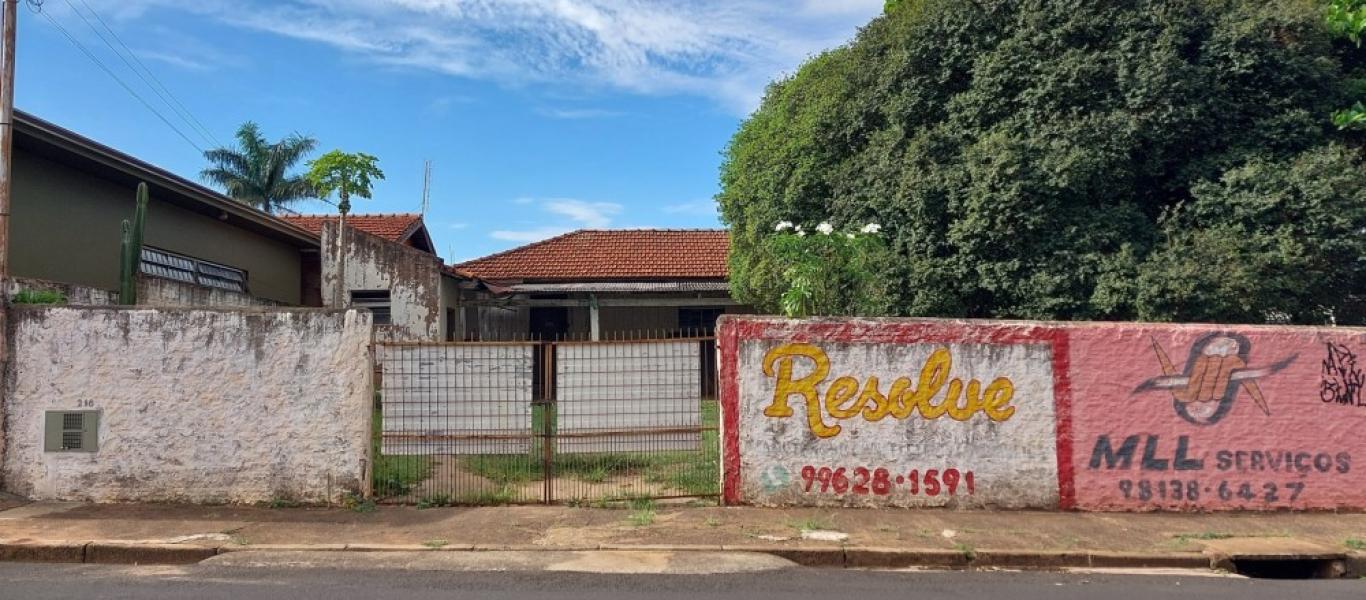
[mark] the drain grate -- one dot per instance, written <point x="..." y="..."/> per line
<point x="1289" y="568"/>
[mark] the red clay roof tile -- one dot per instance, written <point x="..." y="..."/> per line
<point x="392" y="227"/>
<point x="622" y="254"/>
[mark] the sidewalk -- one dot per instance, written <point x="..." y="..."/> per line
<point x="875" y="537"/>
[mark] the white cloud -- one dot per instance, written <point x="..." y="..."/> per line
<point x="704" y="208"/>
<point x="594" y="215"/>
<point x="174" y="60"/>
<point x="727" y="50"/>
<point x="459" y="225"/>
<point x="526" y="236"/>
<point x="569" y="214"/>
<point x="578" y="113"/>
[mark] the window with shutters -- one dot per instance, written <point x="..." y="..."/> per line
<point x="169" y="265"/>
<point x="375" y="300"/>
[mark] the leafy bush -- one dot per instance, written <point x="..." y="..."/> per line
<point x="1070" y="159"/>
<point x="39" y="297"/>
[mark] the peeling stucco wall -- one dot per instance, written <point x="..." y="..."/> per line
<point x="155" y="291"/>
<point x="195" y="405"/>
<point x="412" y="277"/>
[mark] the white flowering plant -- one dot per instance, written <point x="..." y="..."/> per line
<point x="829" y="272"/>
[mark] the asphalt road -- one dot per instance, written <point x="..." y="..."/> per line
<point x="34" y="582"/>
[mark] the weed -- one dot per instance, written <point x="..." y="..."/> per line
<point x="283" y="502"/>
<point x="354" y="502"/>
<point x="1204" y="535"/>
<point x="39" y="297"/>
<point x="434" y="501"/>
<point x="395" y="475"/>
<point x="1356" y="543"/>
<point x="642" y="503"/>
<point x="504" y="495"/>
<point x="434" y="544"/>
<point x="643" y="517"/>
<point x="968" y="551"/>
<point x="713" y="522"/>
<point x="812" y="524"/>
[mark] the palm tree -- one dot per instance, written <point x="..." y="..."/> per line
<point x="256" y="172"/>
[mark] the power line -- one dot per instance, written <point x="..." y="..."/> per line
<point x="168" y="98"/>
<point x="116" y="78"/>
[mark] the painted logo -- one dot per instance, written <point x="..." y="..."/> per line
<point x="1216" y="370"/>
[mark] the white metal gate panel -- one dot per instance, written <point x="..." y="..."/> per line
<point x="628" y="397"/>
<point x="456" y="399"/>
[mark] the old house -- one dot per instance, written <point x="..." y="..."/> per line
<point x="71" y="193"/>
<point x="201" y="248"/>
<point x="599" y="284"/>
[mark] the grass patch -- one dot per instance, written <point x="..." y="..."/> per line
<point x="434" y="501"/>
<point x="1356" y="543"/>
<point x="39" y="297"/>
<point x="395" y="475"/>
<point x="644" y="514"/>
<point x="812" y="524"/>
<point x="504" y="495"/>
<point x="969" y="552"/>
<point x="690" y="473"/>
<point x="434" y="544"/>
<point x="1204" y="535"/>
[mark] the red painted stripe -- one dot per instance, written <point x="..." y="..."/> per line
<point x="728" y="355"/>
<point x="1062" y="409"/>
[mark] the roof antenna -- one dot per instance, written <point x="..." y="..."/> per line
<point x="426" y="185"/>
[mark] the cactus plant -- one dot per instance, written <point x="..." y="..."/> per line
<point x="130" y="250"/>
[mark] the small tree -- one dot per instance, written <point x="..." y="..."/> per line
<point x="828" y="273"/>
<point x="344" y="173"/>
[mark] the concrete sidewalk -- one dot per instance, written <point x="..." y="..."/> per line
<point x="875" y="538"/>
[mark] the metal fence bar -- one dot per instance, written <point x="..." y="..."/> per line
<point x="562" y="421"/>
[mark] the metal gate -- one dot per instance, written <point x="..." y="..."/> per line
<point x="546" y="422"/>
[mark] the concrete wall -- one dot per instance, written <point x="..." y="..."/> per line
<point x="66" y="228"/>
<point x="194" y="405"/>
<point x="412" y="277"/>
<point x="75" y="294"/>
<point x="155" y="291"/>
<point x="1043" y="415"/>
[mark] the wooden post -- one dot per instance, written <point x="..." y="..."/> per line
<point x="7" y="47"/>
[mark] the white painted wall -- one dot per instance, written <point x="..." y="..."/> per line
<point x="195" y="405"/>
<point x="628" y="387"/>
<point x="1013" y="461"/>
<point x="456" y="399"/>
<point x="412" y="277"/>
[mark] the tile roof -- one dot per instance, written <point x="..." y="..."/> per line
<point x="618" y="254"/>
<point x="392" y="227"/>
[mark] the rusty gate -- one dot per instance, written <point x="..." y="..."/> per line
<point x="546" y="422"/>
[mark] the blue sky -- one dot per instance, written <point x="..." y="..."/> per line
<point x="540" y="116"/>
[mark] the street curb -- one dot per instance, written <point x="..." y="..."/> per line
<point x="134" y="553"/>
<point x="144" y="553"/>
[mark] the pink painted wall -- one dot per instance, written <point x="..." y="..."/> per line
<point x="1148" y="417"/>
<point x="1253" y="418"/>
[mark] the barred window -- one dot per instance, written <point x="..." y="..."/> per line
<point x="169" y="265"/>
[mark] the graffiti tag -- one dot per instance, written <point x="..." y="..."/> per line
<point x="1343" y="379"/>
<point x="843" y="399"/>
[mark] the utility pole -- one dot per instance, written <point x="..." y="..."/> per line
<point x="426" y="186"/>
<point x="11" y="13"/>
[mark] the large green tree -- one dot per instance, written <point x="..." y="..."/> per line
<point x="1072" y="159"/>
<point x="257" y="172"/>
